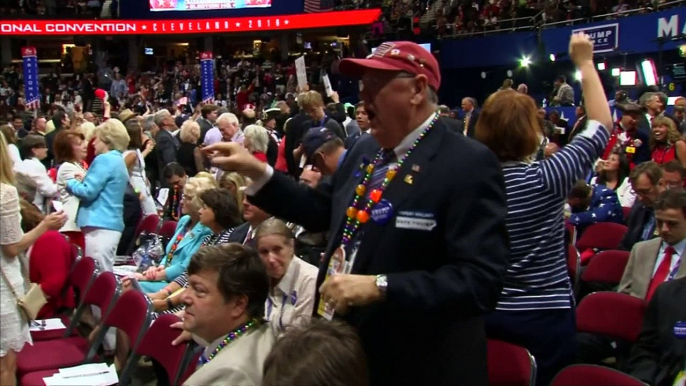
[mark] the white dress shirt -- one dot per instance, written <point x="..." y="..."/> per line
<point x="291" y="301"/>
<point x="676" y="256"/>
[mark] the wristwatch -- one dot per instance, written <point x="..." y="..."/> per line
<point x="382" y="285"/>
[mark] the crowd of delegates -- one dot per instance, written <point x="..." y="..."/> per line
<point x="263" y="196"/>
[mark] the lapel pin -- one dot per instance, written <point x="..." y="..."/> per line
<point x="408" y="179"/>
<point x="415" y="168"/>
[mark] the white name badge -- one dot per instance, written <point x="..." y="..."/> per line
<point x="420" y="224"/>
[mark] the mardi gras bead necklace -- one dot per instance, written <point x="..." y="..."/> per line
<point x="230" y="337"/>
<point x="175" y="245"/>
<point x="358" y="212"/>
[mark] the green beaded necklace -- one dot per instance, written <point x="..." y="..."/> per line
<point x="230" y="337"/>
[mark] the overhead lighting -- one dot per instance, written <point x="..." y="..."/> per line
<point x="649" y="72"/>
<point x="525" y="61"/>
<point x="483" y="75"/>
<point x="627" y="78"/>
<point x="552" y="57"/>
<point x="616" y="71"/>
<point x="601" y="66"/>
<point x="577" y="75"/>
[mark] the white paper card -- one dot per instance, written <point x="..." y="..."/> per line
<point x="107" y="376"/>
<point x="124" y="270"/>
<point x="327" y="85"/>
<point x="301" y="72"/>
<point x="57" y="205"/>
<point x="47" y="324"/>
<point x="162" y="195"/>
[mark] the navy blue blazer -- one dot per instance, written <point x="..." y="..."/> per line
<point x="442" y="278"/>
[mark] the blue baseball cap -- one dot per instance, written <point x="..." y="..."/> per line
<point x="314" y="139"/>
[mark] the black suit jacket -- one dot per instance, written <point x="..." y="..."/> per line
<point x="638" y="217"/>
<point x="471" y="129"/>
<point x="295" y="129"/>
<point x="239" y="234"/>
<point x="166" y="145"/>
<point x="430" y="328"/>
<point x="658" y="355"/>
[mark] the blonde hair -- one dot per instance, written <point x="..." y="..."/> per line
<point x="239" y="182"/>
<point x="258" y="137"/>
<point x="87" y="129"/>
<point x="113" y="133"/>
<point x="198" y="184"/>
<point x="310" y="99"/>
<point x="190" y="132"/>
<point x="673" y="134"/>
<point x="6" y="173"/>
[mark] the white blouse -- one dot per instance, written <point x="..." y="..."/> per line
<point x="33" y="168"/>
<point x="70" y="203"/>
<point x="292" y="300"/>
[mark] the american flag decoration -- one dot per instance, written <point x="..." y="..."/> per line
<point x="30" y="65"/>
<point x="315" y="6"/>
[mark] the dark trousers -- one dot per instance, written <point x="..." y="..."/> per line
<point x="549" y="335"/>
<point x="594" y="348"/>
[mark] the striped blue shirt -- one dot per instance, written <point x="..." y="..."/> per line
<point x="537" y="278"/>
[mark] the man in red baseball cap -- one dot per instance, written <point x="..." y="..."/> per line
<point x="417" y="240"/>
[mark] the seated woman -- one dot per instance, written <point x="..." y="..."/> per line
<point x="614" y="174"/>
<point x="218" y="212"/>
<point x="236" y="184"/>
<point x="185" y="242"/>
<point x="49" y="263"/>
<point x="293" y="281"/>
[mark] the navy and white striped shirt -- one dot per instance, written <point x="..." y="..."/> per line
<point x="537" y="278"/>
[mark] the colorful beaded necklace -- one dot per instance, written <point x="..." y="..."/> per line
<point x="175" y="245"/>
<point x="359" y="214"/>
<point x="230" y="337"/>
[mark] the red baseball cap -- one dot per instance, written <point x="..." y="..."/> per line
<point x="396" y="56"/>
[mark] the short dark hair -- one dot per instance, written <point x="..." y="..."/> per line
<point x="207" y="109"/>
<point x="29" y="143"/>
<point x="173" y="169"/>
<point x="241" y="272"/>
<point x="675" y="166"/>
<point x="322" y="353"/>
<point x="671" y="199"/>
<point x="58" y="117"/>
<point x="134" y="129"/>
<point x="651" y="169"/>
<point x="223" y="204"/>
<point x="580" y="190"/>
<point x="561" y="78"/>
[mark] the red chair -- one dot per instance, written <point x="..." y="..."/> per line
<point x="80" y="278"/>
<point x="606" y="267"/>
<point x="168" y="228"/>
<point x="190" y="366"/>
<point x="510" y="365"/>
<point x="573" y="264"/>
<point x="156" y="344"/>
<point x="612" y="314"/>
<point x="148" y="224"/>
<point x="592" y="375"/>
<point x="603" y="236"/>
<point x="73" y="350"/>
<point x="132" y="313"/>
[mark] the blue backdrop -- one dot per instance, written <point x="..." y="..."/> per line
<point x="637" y="34"/>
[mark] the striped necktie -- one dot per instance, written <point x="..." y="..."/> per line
<point x="380" y="170"/>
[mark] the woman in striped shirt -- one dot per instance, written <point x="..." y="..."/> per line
<point x="535" y="309"/>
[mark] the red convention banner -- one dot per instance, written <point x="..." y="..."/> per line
<point x="188" y="26"/>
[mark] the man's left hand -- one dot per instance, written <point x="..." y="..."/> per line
<point x="345" y="291"/>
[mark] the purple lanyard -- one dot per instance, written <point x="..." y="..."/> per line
<point x="675" y="270"/>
